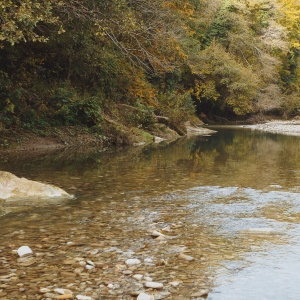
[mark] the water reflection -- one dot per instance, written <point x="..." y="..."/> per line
<point x="216" y="187"/>
<point x="228" y="158"/>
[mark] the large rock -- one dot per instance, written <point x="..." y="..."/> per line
<point x="197" y="130"/>
<point x="15" y="188"/>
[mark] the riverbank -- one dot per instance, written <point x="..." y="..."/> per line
<point x="78" y="137"/>
<point x="290" y="127"/>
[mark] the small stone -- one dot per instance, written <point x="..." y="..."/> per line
<point x="110" y="286"/>
<point x="81" y="297"/>
<point x="134" y="293"/>
<point x="185" y="257"/>
<point x="154" y="285"/>
<point x="65" y="296"/>
<point x="168" y="229"/>
<point x="28" y="262"/>
<point x="158" y="139"/>
<point x="138" y="277"/>
<point x="175" y="283"/>
<point x="201" y="293"/>
<point x="127" y="272"/>
<point x="44" y="290"/>
<point x="50" y="295"/>
<point x="148" y="260"/>
<point x="132" y="262"/>
<point x="162" y="262"/>
<point x="156" y="234"/>
<point x="89" y="262"/>
<point x="62" y="291"/>
<point x="147" y="278"/>
<point x="89" y="267"/>
<point x="24" y="250"/>
<point x="144" y="296"/>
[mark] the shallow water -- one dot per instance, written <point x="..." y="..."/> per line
<point x="230" y="200"/>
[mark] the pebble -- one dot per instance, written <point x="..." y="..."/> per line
<point x="89" y="262"/>
<point x="201" y="293"/>
<point x="65" y="296"/>
<point x="24" y="250"/>
<point x="185" y="257"/>
<point x="147" y="278"/>
<point x="144" y="296"/>
<point x="175" y="283"/>
<point x="81" y="297"/>
<point x="62" y="291"/>
<point x="132" y="262"/>
<point x="156" y="234"/>
<point x="153" y="285"/>
<point x="50" y="295"/>
<point x="138" y="276"/>
<point x="44" y="290"/>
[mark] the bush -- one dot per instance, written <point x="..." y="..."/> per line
<point x="68" y="107"/>
<point x="177" y="107"/>
<point x="142" y="116"/>
<point x="291" y="105"/>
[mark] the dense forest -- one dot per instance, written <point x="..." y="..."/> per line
<point x="111" y="64"/>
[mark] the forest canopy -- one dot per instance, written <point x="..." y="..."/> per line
<point x="75" y="62"/>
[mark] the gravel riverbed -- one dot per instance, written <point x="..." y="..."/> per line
<point x="291" y="127"/>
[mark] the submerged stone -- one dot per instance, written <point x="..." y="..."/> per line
<point x="154" y="285"/>
<point x="24" y="250"/>
<point x="132" y="262"/>
<point x="144" y="296"/>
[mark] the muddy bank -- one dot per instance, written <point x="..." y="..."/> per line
<point x="291" y="127"/>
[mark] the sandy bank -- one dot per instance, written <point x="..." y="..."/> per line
<point x="291" y="127"/>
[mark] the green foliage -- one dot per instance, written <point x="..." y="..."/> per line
<point x="144" y="115"/>
<point x="261" y="14"/>
<point x="289" y="71"/>
<point x="69" y="108"/>
<point x="70" y="63"/>
<point x="223" y="23"/>
<point x="291" y="105"/>
<point x="23" y="20"/>
<point x="234" y="85"/>
<point x="177" y="107"/>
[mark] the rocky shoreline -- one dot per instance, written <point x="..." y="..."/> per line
<point x="291" y="127"/>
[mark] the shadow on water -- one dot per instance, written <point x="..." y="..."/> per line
<point x="209" y="192"/>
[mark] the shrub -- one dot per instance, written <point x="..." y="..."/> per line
<point x="177" y="107"/>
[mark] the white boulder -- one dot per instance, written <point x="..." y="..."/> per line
<point x="15" y="188"/>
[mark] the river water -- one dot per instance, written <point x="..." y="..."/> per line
<point x="231" y="201"/>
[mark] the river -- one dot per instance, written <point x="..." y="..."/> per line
<point x="230" y="202"/>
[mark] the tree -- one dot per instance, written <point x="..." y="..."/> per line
<point x="23" y="21"/>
